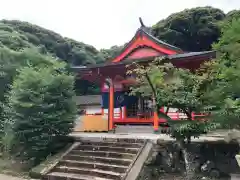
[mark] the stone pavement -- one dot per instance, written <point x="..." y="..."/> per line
<point x="215" y="136"/>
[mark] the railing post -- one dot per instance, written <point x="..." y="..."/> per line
<point x="120" y="113"/>
<point x="193" y="116"/>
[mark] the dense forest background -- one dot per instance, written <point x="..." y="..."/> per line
<point x="193" y="29"/>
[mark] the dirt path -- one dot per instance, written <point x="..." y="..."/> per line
<point x="6" y="177"/>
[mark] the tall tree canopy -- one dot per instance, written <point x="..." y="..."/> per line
<point x="234" y="14"/>
<point x="17" y="35"/>
<point x="111" y="52"/>
<point x="192" y="29"/>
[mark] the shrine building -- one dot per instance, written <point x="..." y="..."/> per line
<point x="117" y="107"/>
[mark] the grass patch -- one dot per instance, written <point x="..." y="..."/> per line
<point x="7" y="167"/>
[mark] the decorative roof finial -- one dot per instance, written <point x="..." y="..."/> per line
<point x="141" y="22"/>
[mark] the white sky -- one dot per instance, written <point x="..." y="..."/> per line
<point x="101" y="23"/>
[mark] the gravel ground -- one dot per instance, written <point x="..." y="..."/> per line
<point x="6" y="177"/>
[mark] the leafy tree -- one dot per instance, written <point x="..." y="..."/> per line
<point x="227" y="70"/>
<point x="177" y="88"/>
<point x="11" y="61"/>
<point x="111" y="53"/>
<point x="192" y="29"/>
<point x="18" y="35"/>
<point x="41" y="111"/>
<point x="234" y="14"/>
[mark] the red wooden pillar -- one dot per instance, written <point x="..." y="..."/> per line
<point x="124" y="112"/>
<point x="155" y="116"/>
<point x="155" y="121"/>
<point x="111" y="105"/>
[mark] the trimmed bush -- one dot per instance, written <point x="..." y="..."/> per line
<point x="41" y="112"/>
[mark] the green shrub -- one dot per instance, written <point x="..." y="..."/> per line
<point x="40" y="112"/>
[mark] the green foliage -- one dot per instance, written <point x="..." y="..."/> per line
<point x="176" y="88"/>
<point x="234" y="14"/>
<point x="11" y="61"/>
<point x="40" y="111"/>
<point x="18" y="35"/>
<point x="192" y="29"/>
<point x="111" y="53"/>
<point x="182" y="89"/>
<point x="226" y="88"/>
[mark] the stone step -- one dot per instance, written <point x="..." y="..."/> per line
<point x="128" y="129"/>
<point x="70" y="176"/>
<point x="89" y="171"/>
<point x="87" y="164"/>
<point x="113" y="144"/>
<point x="108" y="148"/>
<point x="124" y="140"/>
<point x="99" y="159"/>
<point x="104" y="154"/>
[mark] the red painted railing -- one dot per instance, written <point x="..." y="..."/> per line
<point x="120" y="117"/>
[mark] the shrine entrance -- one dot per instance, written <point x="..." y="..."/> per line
<point x="117" y="106"/>
<point x="140" y="108"/>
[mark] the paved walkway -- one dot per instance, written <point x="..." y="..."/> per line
<point x="215" y="136"/>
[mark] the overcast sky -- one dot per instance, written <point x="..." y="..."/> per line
<point x="101" y="23"/>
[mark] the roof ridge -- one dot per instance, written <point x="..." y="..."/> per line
<point x="158" y="40"/>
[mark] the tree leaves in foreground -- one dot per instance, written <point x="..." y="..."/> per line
<point x="182" y="89"/>
<point x="227" y="86"/>
<point x="41" y="111"/>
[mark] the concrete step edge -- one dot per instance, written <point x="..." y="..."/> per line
<point x="100" y="157"/>
<point x="90" y="170"/>
<point x="111" y="147"/>
<point x="114" y="144"/>
<point x="96" y="163"/>
<point x="75" y="176"/>
<point x="108" y="152"/>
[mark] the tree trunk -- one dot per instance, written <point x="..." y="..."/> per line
<point x="188" y="157"/>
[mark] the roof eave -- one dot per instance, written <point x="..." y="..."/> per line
<point x="208" y="54"/>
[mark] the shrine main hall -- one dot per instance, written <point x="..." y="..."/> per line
<point x="116" y="105"/>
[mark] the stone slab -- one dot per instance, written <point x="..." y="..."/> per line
<point x="139" y="163"/>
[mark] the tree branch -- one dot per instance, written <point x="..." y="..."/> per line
<point x="189" y="115"/>
<point x="160" y="114"/>
<point x="151" y="85"/>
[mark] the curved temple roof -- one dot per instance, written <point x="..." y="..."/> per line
<point x="182" y="56"/>
<point x="143" y="48"/>
<point x="144" y="39"/>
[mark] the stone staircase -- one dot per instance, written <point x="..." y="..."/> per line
<point x="110" y="159"/>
